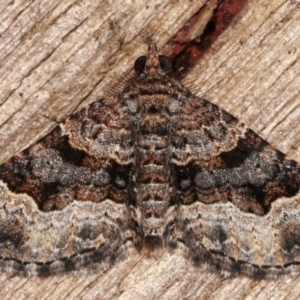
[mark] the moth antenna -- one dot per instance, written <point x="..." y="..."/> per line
<point x="117" y="85"/>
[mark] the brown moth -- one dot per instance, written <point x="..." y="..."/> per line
<point x="153" y="167"/>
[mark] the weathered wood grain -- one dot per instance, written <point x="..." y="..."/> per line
<point x="57" y="56"/>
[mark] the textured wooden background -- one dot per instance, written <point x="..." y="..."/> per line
<point x="57" y="56"/>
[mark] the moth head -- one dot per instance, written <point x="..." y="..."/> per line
<point x="153" y="63"/>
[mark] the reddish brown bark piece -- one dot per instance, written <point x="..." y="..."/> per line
<point x="154" y="166"/>
<point x="184" y="52"/>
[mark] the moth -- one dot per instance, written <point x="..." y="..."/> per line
<point x="154" y="167"/>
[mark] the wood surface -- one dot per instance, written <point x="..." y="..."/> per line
<point x="58" y="56"/>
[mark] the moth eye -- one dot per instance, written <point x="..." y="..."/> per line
<point x="165" y="64"/>
<point x="140" y="64"/>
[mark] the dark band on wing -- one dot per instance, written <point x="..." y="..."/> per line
<point x="54" y="174"/>
<point x="252" y="176"/>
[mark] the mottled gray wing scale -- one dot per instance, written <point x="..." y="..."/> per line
<point x="64" y="199"/>
<point x="235" y="193"/>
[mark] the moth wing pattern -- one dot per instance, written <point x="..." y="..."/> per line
<point x="239" y="196"/>
<point x="63" y="200"/>
<point x="153" y="166"/>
